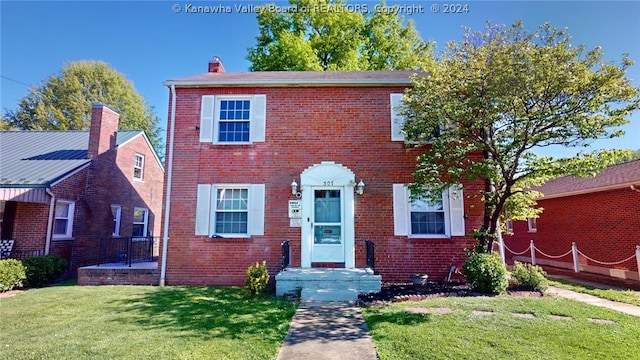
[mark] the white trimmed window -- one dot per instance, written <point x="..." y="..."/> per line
<point x="138" y="167"/>
<point x="232" y="119"/>
<point x="532" y="224"/>
<point x="140" y="220"/>
<point x="63" y="223"/>
<point x="509" y="226"/>
<point x="230" y="210"/>
<point x="116" y="212"/>
<point x="397" y="121"/>
<point x="422" y="218"/>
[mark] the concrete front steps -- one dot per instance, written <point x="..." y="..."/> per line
<point x="327" y="284"/>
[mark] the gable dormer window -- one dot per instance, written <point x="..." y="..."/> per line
<point x="138" y="167"/>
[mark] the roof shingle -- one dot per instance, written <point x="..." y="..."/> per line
<point x="613" y="177"/>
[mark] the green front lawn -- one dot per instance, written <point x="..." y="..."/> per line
<point x="141" y="322"/>
<point x="463" y="335"/>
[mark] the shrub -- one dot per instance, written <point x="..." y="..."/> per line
<point x="12" y="274"/>
<point x="257" y="278"/>
<point x="485" y="272"/>
<point x="530" y="276"/>
<point x="41" y="270"/>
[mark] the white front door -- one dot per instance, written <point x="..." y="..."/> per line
<point x="327" y="215"/>
<point x="327" y="224"/>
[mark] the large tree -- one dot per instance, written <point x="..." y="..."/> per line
<point x="331" y="35"/>
<point x="499" y="95"/>
<point x="64" y="102"/>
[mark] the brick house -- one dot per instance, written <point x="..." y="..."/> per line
<point x="600" y="215"/>
<point x="62" y="191"/>
<point x="316" y="158"/>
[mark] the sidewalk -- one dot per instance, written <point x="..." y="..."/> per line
<point x="328" y="330"/>
<point x="594" y="300"/>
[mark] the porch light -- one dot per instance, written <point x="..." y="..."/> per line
<point x="294" y="187"/>
<point x="360" y="188"/>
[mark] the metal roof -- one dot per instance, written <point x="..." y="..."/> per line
<point x="32" y="159"/>
<point x="125" y="135"/>
<point x="613" y="177"/>
<point x="296" y="78"/>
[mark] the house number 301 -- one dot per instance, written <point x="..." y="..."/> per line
<point x="328" y="183"/>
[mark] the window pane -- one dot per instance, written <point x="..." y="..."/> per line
<point x="424" y="205"/>
<point x="427" y="223"/>
<point x="60" y="226"/>
<point x="138" y="230"/>
<point x="231" y="223"/>
<point x="62" y="210"/>
<point x="327" y="206"/>
<point x="138" y="215"/>
<point x="327" y="235"/>
<point x="232" y="199"/>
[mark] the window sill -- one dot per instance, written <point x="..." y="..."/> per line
<point x="138" y="180"/>
<point x="227" y="239"/>
<point x="231" y="143"/>
<point x="445" y="237"/>
<point x="532" y="231"/>
<point x="62" y="238"/>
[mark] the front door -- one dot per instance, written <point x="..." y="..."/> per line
<point x="327" y="224"/>
<point x="327" y="219"/>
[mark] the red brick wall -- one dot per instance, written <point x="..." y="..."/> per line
<point x="30" y="227"/>
<point x="602" y="224"/>
<point x="305" y="126"/>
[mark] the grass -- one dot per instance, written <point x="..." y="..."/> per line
<point x="463" y="335"/>
<point x="141" y="322"/>
<point x="624" y="296"/>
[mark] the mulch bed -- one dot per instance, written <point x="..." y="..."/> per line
<point x="396" y="292"/>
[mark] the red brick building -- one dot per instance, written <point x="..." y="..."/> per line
<point x="316" y="158"/>
<point x="600" y="215"/>
<point x="62" y="191"/>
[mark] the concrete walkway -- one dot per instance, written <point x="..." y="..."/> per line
<point x="594" y="300"/>
<point x="328" y="330"/>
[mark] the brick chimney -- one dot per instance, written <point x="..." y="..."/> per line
<point x="104" y="128"/>
<point x="215" y="65"/>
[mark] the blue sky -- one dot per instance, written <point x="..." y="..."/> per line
<point x="149" y="42"/>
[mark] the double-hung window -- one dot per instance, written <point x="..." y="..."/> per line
<point x="140" y="220"/>
<point x="63" y="223"/>
<point x="428" y="218"/>
<point x="232" y="119"/>
<point x="230" y="210"/>
<point x="138" y="167"/>
<point x="398" y="121"/>
<point x="532" y="225"/>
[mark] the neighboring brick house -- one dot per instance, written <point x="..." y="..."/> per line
<point x="259" y="158"/>
<point x="62" y="191"/>
<point x="601" y="215"/>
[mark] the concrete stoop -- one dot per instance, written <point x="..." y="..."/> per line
<point x="327" y="284"/>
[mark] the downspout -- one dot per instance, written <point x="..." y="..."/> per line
<point x="634" y="188"/>
<point x="167" y="201"/>
<point x="52" y="205"/>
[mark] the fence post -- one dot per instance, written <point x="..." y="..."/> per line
<point x="533" y="253"/>
<point x="576" y="263"/>
<point x="638" y="258"/>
